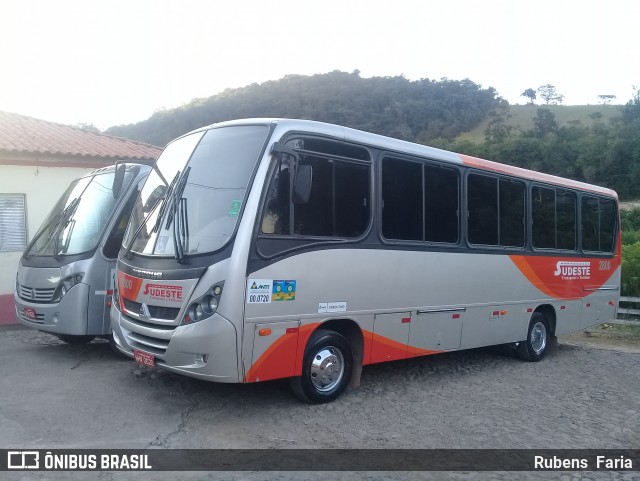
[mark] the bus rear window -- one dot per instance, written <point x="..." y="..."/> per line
<point x="598" y="224"/>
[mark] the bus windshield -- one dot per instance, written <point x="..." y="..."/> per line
<point x="76" y="223"/>
<point x="193" y="208"/>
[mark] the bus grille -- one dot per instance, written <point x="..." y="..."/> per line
<point x="149" y="344"/>
<point x="35" y="294"/>
<point x="157" y="312"/>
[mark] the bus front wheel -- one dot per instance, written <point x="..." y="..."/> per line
<point x="535" y="347"/>
<point x="326" y="368"/>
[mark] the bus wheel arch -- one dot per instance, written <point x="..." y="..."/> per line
<point x="337" y="345"/>
<point x="353" y="334"/>
<point x="550" y="314"/>
<point x="539" y="335"/>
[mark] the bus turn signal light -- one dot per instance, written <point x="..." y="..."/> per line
<point x="264" y="332"/>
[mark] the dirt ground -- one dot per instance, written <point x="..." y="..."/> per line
<point x="583" y="395"/>
<point x="611" y="341"/>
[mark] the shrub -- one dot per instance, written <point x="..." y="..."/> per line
<point x="630" y="270"/>
<point x="630" y="237"/>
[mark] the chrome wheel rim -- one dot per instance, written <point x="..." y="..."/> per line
<point x="327" y="368"/>
<point x="538" y="337"/>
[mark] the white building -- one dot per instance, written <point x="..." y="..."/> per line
<point x="38" y="160"/>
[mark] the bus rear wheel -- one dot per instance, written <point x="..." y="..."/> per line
<point x="326" y="368"/>
<point x="535" y="347"/>
<point x="69" y="339"/>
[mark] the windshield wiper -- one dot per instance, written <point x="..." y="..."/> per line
<point x="165" y="198"/>
<point x="181" y="231"/>
<point x="63" y="222"/>
<point x="178" y="210"/>
<point x="140" y="227"/>
<point x="162" y="200"/>
<point x="177" y="195"/>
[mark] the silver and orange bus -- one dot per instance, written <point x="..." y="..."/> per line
<point x="265" y="249"/>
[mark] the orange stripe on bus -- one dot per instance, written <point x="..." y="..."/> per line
<point x="533" y="175"/>
<point x="545" y="273"/>
<point x="275" y="362"/>
<point x="529" y="273"/>
<point x="384" y="349"/>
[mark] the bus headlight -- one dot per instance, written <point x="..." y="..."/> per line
<point x="205" y="306"/>
<point x="66" y="284"/>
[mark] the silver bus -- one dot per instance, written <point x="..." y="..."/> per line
<point x="265" y="249"/>
<point x="64" y="283"/>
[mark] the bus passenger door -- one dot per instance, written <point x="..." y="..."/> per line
<point x="391" y="335"/>
<point x="97" y="278"/>
<point x="437" y="330"/>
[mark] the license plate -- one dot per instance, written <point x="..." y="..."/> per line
<point x="144" y="358"/>
<point x="29" y="313"/>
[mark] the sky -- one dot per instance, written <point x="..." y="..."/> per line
<point x="113" y="62"/>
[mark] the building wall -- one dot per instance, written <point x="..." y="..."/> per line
<point x="42" y="187"/>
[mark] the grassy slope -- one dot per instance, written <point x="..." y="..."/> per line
<point x="522" y="117"/>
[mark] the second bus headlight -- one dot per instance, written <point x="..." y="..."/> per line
<point x="66" y="284"/>
<point x="203" y="307"/>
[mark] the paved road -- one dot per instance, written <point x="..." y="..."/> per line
<point x="55" y="395"/>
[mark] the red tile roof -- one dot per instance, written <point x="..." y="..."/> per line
<point x="26" y="135"/>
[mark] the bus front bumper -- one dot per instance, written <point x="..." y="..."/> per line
<point x="205" y="349"/>
<point x="69" y="316"/>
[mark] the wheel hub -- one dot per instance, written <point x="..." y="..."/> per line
<point x="538" y="337"/>
<point x="327" y="368"/>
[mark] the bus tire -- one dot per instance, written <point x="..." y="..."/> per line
<point x="535" y="347"/>
<point x="326" y="368"/>
<point x="75" y="340"/>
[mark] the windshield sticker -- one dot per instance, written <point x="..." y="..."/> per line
<point x="324" y="307"/>
<point x="161" y="246"/>
<point x="235" y="208"/>
<point x="259" y="291"/>
<point x="284" y="291"/>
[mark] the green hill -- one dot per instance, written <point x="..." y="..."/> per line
<point x="521" y="117"/>
<point x="599" y="144"/>
<point x="410" y="110"/>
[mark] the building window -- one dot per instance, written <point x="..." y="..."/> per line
<point x="13" y="225"/>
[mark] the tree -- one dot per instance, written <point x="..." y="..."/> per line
<point x="544" y="123"/>
<point x="86" y="126"/>
<point x="530" y="94"/>
<point x="497" y="129"/>
<point x="631" y="110"/>
<point x="550" y="94"/>
<point x="606" y="98"/>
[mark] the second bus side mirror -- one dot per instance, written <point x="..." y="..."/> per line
<point x="118" y="180"/>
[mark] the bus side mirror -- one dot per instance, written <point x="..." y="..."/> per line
<point x="118" y="180"/>
<point x="154" y="197"/>
<point x="302" y="184"/>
